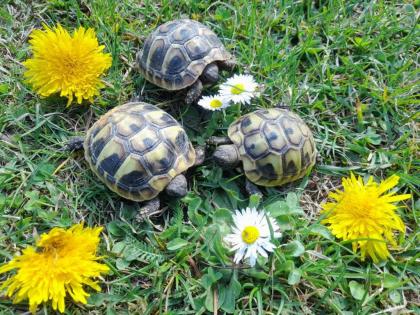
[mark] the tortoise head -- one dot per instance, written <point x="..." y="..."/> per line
<point x="226" y="155"/>
<point x="177" y="187"/>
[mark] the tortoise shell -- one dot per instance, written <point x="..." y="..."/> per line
<point x="136" y="149"/>
<point x="176" y="53"/>
<point x="275" y="146"/>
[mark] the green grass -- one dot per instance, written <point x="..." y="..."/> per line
<point x="349" y="68"/>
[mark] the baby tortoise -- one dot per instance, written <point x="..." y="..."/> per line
<point x="138" y="150"/>
<point x="183" y="54"/>
<point x="275" y="146"/>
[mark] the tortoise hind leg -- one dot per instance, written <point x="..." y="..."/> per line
<point x="194" y="92"/>
<point x="150" y="208"/>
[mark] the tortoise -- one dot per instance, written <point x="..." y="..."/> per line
<point x="183" y="54"/>
<point x="275" y="146"/>
<point x="139" y="150"/>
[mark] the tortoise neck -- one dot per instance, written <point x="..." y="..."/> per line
<point x="218" y="140"/>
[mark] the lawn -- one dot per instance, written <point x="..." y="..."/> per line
<point x="348" y="68"/>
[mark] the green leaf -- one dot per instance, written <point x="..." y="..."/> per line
<point x="4" y="88"/>
<point x="176" y="244"/>
<point x="209" y="300"/>
<point x="232" y="292"/>
<point x="122" y="264"/>
<point x="294" y="276"/>
<point x="118" y="247"/>
<point x="290" y="206"/>
<point x="286" y="266"/>
<point x="320" y="230"/>
<point x="257" y="274"/>
<point x="390" y="281"/>
<point x="254" y="201"/>
<point x="292" y="200"/>
<point x="194" y="204"/>
<point x="395" y="296"/>
<point x="285" y="222"/>
<point x="222" y="215"/>
<point x="294" y="249"/>
<point x="131" y="252"/>
<point x="42" y="172"/>
<point x="115" y="228"/>
<point x="221" y="294"/>
<point x="210" y="278"/>
<point x="231" y="188"/>
<point x="277" y="208"/>
<point x="357" y="290"/>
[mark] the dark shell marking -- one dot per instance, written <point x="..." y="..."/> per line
<point x="275" y="145"/>
<point x="136" y="149"/>
<point x="176" y="53"/>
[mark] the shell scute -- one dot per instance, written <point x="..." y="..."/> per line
<point x="176" y="60"/>
<point x="157" y="53"/>
<point x="161" y="159"/>
<point x="291" y="129"/>
<point x="183" y="33"/>
<point x="275" y="137"/>
<point x="254" y="147"/>
<point x="130" y="126"/>
<point x="167" y="27"/>
<point x="132" y="173"/>
<point x="197" y="48"/>
<point x="159" y="182"/>
<point x="144" y="141"/>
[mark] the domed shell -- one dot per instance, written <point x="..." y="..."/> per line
<point x="275" y="145"/>
<point x="136" y="149"/>
<point x="176" y="53"/>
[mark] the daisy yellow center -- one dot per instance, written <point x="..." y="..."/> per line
<point x="250" y="234"/>
<point x="216" y="103"/>
<point x="237" y="89"/>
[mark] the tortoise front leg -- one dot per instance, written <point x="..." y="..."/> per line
<point x="252" y="189"/>
<point x="194" y="92"/>
<point x="150" y="208"/>
<point x="200" y="155"/>
<point x="75" y="143"/>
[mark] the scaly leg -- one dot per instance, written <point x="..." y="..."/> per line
<point x="150" y="208"/>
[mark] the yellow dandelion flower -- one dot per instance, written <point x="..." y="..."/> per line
<point x="62" y="262"/>
<point x="363" y="214"/>
<point x="69" y="64"/>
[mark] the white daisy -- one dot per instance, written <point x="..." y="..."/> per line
<point x="214" y="102"/>
<point x="251" y="235"/>
<point x="239" y="89"/>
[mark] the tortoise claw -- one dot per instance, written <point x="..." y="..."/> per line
<point x="150" y="208"/>
<point x="74" y="143"/>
